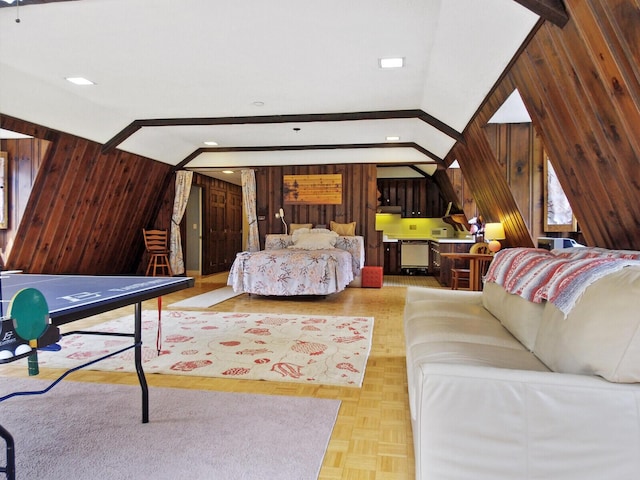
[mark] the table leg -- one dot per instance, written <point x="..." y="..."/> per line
<point x="474" y="281"/>
<point x="10" y="469"/>
<point x="138" y="361"/>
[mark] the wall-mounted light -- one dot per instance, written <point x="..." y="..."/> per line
<point x="494" y="232"/>
<point x="391" y="62"/>
<point x="79" y="81"/>
<point x="280" y="215"/>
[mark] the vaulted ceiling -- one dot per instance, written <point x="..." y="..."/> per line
<point x="286" y="82"/>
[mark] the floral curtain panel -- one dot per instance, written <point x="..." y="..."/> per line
<point x="183" y="187"/>
<point x="249" y="200"/>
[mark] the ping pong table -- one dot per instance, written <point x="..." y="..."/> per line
<point x="74" y="297"/>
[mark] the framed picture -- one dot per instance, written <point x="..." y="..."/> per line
<point x="558" y="215"/>
<point x="4" y="197"/>
<point x="312" y="189"/>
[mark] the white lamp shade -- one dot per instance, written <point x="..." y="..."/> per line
<point x="494" y="231"/>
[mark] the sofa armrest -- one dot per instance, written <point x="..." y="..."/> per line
<point x="495" y="423"/>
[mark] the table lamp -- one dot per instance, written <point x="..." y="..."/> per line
<point x="494" y="232"/>
<point x="280" y="215"/>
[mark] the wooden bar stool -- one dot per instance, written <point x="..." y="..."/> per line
<point x="157" y="244"/>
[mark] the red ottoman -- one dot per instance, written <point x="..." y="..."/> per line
<point x="372" y="277"/>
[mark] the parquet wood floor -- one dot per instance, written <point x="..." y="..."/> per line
<point x="372" y="437"/>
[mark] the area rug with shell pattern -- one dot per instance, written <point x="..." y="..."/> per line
<point x="329" y="350"/>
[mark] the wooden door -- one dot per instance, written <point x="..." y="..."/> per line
<point x="233" y="213"/>
<point x="216" y="220"/>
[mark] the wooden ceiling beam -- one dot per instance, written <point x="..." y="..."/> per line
<point x="283" y="148"/>
<point x="295" y="118"/>
<point x="24" y="3"/>
<point x="551" y="10"/>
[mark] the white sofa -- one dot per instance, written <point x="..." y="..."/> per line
<point x="501" y="387"/>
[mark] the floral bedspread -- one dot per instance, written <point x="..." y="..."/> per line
<point x="282" y="271"/>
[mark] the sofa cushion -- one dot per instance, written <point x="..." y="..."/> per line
<point x="477" y="355"/>
<point x="521" y="317"/>
<point x="432" y="321"/>
<point x="466" y="354"/>
<point x="600" y="335"/>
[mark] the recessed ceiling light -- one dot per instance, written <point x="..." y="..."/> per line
<point x="211" y="143"/>
<point x="228" y="172"/>
<point x="392" y="62"/>
<point x="79" y="81"/>
<point x="392" y="138"/>
<point x="258" y="104"/>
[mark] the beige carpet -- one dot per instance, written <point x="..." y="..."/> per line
<point x="93" y="431"/>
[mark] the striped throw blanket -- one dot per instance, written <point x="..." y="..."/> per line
<point x="538" y="275"/>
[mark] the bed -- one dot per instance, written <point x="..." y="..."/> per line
<point x="309" y="262"/>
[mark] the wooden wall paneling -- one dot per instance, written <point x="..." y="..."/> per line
<point x="513" y="147"/>
<point x="154" y="191"/>
<point x="490" y="188"/>
<point x="537" y="187"/>
<point x="620" y="32"/>
<point x="359" y="203"/>
<point x="559" y="115"/>
<point x="374" y="254"/>
<point x="25" y="158"/>
<point x="599" y="118"/>
<point x="68" y="224"/>
<point x="72" y="212"/>
<point x="454" y="189"/>
<point x="613" y="113"/>
<point x="33" y="239"/>
<point x="580" y="84"/>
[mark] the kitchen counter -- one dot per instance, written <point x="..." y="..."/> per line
<point x="393" y="238"/>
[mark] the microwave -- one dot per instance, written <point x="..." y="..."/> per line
<point x="442" y="232"/>
<point x="549" y="243"/>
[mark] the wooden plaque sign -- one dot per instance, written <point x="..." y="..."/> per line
<point x="313" y="189"/>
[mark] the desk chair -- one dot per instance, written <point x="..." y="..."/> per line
<point x="157" y="244"/>
<point x="460" y="276"/>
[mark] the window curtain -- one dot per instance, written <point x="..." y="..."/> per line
<point x="183" y="187"/>
<point x="249" y="200"/>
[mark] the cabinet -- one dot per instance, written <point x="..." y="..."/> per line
<point x="446" y="264"/>
<point x="418" y="197"/>
<point x="392" y="258"/>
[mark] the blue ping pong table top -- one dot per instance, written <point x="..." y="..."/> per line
<point x="71" y="297"/>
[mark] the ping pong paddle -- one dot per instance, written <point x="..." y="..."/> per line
<point x="30" y="313"/>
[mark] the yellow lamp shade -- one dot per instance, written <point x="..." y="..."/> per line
<point x="494" y="231"/>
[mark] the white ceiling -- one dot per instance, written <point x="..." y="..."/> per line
<point x="167" y="59"/>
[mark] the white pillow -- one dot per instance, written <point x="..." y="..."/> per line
<point x="306" y="239"/>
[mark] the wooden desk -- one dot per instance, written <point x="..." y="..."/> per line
<point x="475" y="260"/>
